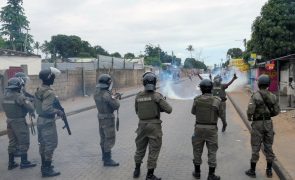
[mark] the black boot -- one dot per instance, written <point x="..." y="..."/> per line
<point x="17" y="152"/>
<point x="43" y="163"/>
<point x="102" y="153"/>
<point x="269" y="170"/>
<point x="47" y="170"/>
<point x="197" y="172"/>
<point x="25" y="163"/>
<point x="136" y="172"/>
<point x="108" y="160"/>
<point x="150" y="175"/>
<point x="11" y="163"/>
<point x="251" y="171"/>
<point x="212" y="175"/>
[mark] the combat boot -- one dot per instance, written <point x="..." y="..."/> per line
<point x="108" y="160"/>
<point x="103" y="153"/>
<point x="43" y="163"/>
<point x="212" y="175"/>
<point x="136" y="172"/>
<point x="197" y="172"/>
<point x="11" y="163"/>
<point x="47" y="170"/>
<point x="251" y="172"/>
<point x="25" y="163"/>
<point x="150" y="175"/>
<point x="269" y="170"/>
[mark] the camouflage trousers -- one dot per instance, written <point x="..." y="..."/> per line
<point x="107" y="134"/>
<point x="18" y="135"/>
<point x="223" y="111"/>
<point x="149" y="134"/>
<point x="262" y="132"/>
<point x="200" y="137"/>
<point x="47" y="137"/>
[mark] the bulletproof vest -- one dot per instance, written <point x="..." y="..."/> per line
<point x="219" y="91"/>
<point x="206" y="110"/>
<point x="103" y="107"/>
<point x="39" y="99"/>
<point x="11" y="108"/>
<point x="147" y="108"/>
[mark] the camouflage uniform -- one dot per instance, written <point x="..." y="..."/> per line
<point x="16" y="106"/>
<point x="262" y="126"/>
<point x="47" y="133"/>
<point x="148" y="105"/>
<point x="207" y="109"/>
<point x="219" y="90"/>
<point x="106" y="106"/>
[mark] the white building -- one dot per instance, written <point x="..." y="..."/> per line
<point x="10" y="58"/>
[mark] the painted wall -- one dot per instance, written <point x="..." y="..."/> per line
<point x="33" y="63"/>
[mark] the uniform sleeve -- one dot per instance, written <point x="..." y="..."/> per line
<point x="113" y="103"/>
<point x="251" y="108"/>
<point x="193" y="111"/>
<point x="164" y="105"/>
<point x="23" y="101"/>
<point x="136" y="104"/>
<point x="47" y="103"/>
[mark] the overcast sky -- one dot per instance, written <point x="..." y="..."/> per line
<point x="211" y="26"/>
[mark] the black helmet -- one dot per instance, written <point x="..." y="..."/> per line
<point x="206" y="86"/>
<point x="149" y="81"/>
<point x="48" y="75"/>
<point x="263" y="80"/>
<point x="104" y="81"/>
<point x="14" y="83"/>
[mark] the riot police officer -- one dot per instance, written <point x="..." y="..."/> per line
<point x="148" y="105"/>
<point x="262" y="106"/>
<point x="47" y="133"/>
<point x="16" y="107"/>
<point x="207" y="109"/>
<point x="25" y="79"/>
<point x="106" y="105"/>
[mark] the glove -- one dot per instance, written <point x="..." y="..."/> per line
<point x="60" y="113"/>
<point x="224" y="127"/>
<point x="235" y="76"/>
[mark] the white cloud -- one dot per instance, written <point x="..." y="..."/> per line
<point x="127" y="26"/>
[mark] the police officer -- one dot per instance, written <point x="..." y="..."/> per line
<point x="148" y="106"/>
<point x="16" y="107"/>
<point x="47" y="134"/>
<point x="262" y="106"/>
<point x="24" y="79"/>
<point x="219" y="90"/>
<point x="207" y="109"/>
<point x="106" y="105"/>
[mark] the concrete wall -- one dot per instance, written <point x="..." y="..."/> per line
<point x="33" y="63"/>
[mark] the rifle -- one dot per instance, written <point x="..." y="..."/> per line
<point x="57" y="105"/>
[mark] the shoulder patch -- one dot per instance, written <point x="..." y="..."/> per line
<point x="144" y="99"/>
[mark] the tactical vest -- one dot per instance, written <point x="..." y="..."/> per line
<point x="12" y="109"/>
<point x="205" y="111"/>
<point x="102" y="106"/>
<point x="219" y="91"/>
<point x="147" y="108"/>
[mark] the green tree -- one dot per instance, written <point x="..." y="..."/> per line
<point x="15" y="26"/>
<point x="64" y="46"/>
<point x="273" y="32"/>
<point x="99" y="50"/>
<point x="153" y="61"/>
<point x="192" y="63"/>
<point x="2" y="43"/>
<point x="116" y="54"/>
<point x="45" y="48"/>
<point x="235" y="53"/>
<point x="190" y="49"/>
<point x="37" y="46"/>
<point x="129" y="56"/>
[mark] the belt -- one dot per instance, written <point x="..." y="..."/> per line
<point x="261" y="118"/>
<point x="48" y="116"/>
